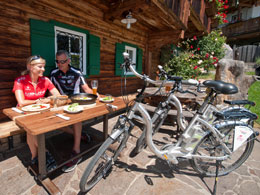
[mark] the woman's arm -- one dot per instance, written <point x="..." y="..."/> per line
<point x="55" y="92"/>
<point x="21" y="100"/>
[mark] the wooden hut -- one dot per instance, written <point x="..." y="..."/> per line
<point x="95" y="36"/>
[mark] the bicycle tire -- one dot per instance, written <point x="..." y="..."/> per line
<point x="209" y="144"/>
<point x="95" y="170"/>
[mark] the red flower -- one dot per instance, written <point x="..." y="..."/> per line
<point x="226" y="2"/>
<point x="195" y="38"/>
<point x="226" y="6"/>
<point x="214" y="58"/>
<point x="225" y="21"/>
<point x="207" y="55"/>
<point x="191" y="46"/>
<point x="195" y="67"/>
<point x="198" y="49"/>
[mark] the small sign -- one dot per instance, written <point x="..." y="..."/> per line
<point x="241" y="135"/>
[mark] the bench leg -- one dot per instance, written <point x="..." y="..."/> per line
<point x="10" y="142"/>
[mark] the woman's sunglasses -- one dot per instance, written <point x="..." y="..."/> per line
<point x="61" y="61"/>
<point x="37" y="57"/>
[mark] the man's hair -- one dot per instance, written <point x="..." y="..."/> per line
<point x="60" y="52"/>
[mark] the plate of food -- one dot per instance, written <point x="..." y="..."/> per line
<point x="107" y="99"/>
<point x="35" y="107"/>
<point x="73" y="108"/>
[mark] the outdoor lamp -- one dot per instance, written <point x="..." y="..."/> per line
<point x="128" y="20"/>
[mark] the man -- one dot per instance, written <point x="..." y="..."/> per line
<point x="69" y="80"/>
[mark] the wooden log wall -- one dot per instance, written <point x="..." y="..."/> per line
<point x="15" y="40"/>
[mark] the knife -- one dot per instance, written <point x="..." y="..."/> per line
<point x="63" y="117"/>
<point x="17" y="110"/>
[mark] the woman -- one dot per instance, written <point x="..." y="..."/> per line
<point x="30" y="88"/>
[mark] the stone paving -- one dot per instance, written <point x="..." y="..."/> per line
<point x="142" y="174"/>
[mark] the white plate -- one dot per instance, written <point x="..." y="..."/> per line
<point x="106" y="101"/>
<point x="78" y="109"/>
<point x="36" y="107"/>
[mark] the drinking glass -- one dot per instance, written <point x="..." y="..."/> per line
<point x="94" y="85"/>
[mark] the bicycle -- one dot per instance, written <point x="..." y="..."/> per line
<point x="200" y="134"/>
<point x="236" y="109"/>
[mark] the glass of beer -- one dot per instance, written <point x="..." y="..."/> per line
<point x="94" y="85"/>
<point x="167" y="88"/>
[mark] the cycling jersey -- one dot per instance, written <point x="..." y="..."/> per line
<point x="24" y="83"/>
<point x="68" y="83"/>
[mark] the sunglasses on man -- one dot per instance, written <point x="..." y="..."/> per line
<point x="61" y="61"/>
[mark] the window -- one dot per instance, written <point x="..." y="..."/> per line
<point x="73" y="42"/>
<point x="235" y="18"/>
<point x="48" y="37"/>
<point x="135" y="54"/>
<point x="132" y="55"/>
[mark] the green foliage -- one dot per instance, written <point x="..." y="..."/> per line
<point x="253" y="95"/>
<point x="198" y="56"/>
<point x="257" y="61"/>
<point x="182" y="65"/>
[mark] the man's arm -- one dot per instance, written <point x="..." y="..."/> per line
<point x="86" y="88"/>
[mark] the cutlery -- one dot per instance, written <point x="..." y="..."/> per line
<point x="111" y="106"/>
<point x="17" y="110"/>
<point x="62" y="116"/>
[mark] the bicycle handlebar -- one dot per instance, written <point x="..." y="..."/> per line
<point x="127" y="63"/>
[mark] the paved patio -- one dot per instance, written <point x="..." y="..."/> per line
<point x="142" y="174"/>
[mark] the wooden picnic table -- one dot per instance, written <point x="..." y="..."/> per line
<point x="185" y="98"/>
<point x="43" y="122"/>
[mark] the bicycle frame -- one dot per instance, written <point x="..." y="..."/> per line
<point x="179" y="149"/>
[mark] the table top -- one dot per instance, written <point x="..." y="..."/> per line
<point x="45" y="121"/>
<point x="200" y="96"/>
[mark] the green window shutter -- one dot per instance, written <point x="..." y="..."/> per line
<point x="139" y="60"/>
<point x="120" y="49"/>
<point x="42" y="42"/>
<point x="93" y="53"/>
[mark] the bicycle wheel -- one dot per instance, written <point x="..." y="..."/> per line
<point x="211" y="147"/>
<point x="101" y="164"/>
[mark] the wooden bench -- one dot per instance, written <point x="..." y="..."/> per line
<point x="8" y="130"/>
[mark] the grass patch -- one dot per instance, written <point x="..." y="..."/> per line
<point x="253" y="95"/>
<point x="250" y="73"/>
<point x="207" y="76"/>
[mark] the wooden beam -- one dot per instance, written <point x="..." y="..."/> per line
<point x="195" y="19"/>
<point x="169" y="16"/>
<point x="157" y="39"/>
<point x="120" y="7"/>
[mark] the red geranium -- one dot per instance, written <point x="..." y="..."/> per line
<point x="191" y="46"/>
<point x="198" y="49"/>
<point x="195" y="38"/>
<point x="195" y="67"/>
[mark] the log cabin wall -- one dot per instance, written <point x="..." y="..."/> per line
<point x="156" y="26"/>
<point x="15" y="39"/>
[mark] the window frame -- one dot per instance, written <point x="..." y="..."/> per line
<point x="84" y="58"/>
<point x="127" y="47"/>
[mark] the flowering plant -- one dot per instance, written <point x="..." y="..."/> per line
<point x="198" y="55"/>
<point x="222" y="6"/>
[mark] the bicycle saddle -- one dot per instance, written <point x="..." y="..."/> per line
<point x="221" y="87"/>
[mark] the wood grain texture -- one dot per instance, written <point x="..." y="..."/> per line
<point x="94" y="16"/>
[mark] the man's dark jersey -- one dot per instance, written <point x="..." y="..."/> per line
<point x="69" y="83"/>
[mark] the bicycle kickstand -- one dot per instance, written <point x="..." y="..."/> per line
<point x="218" y="162"/>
